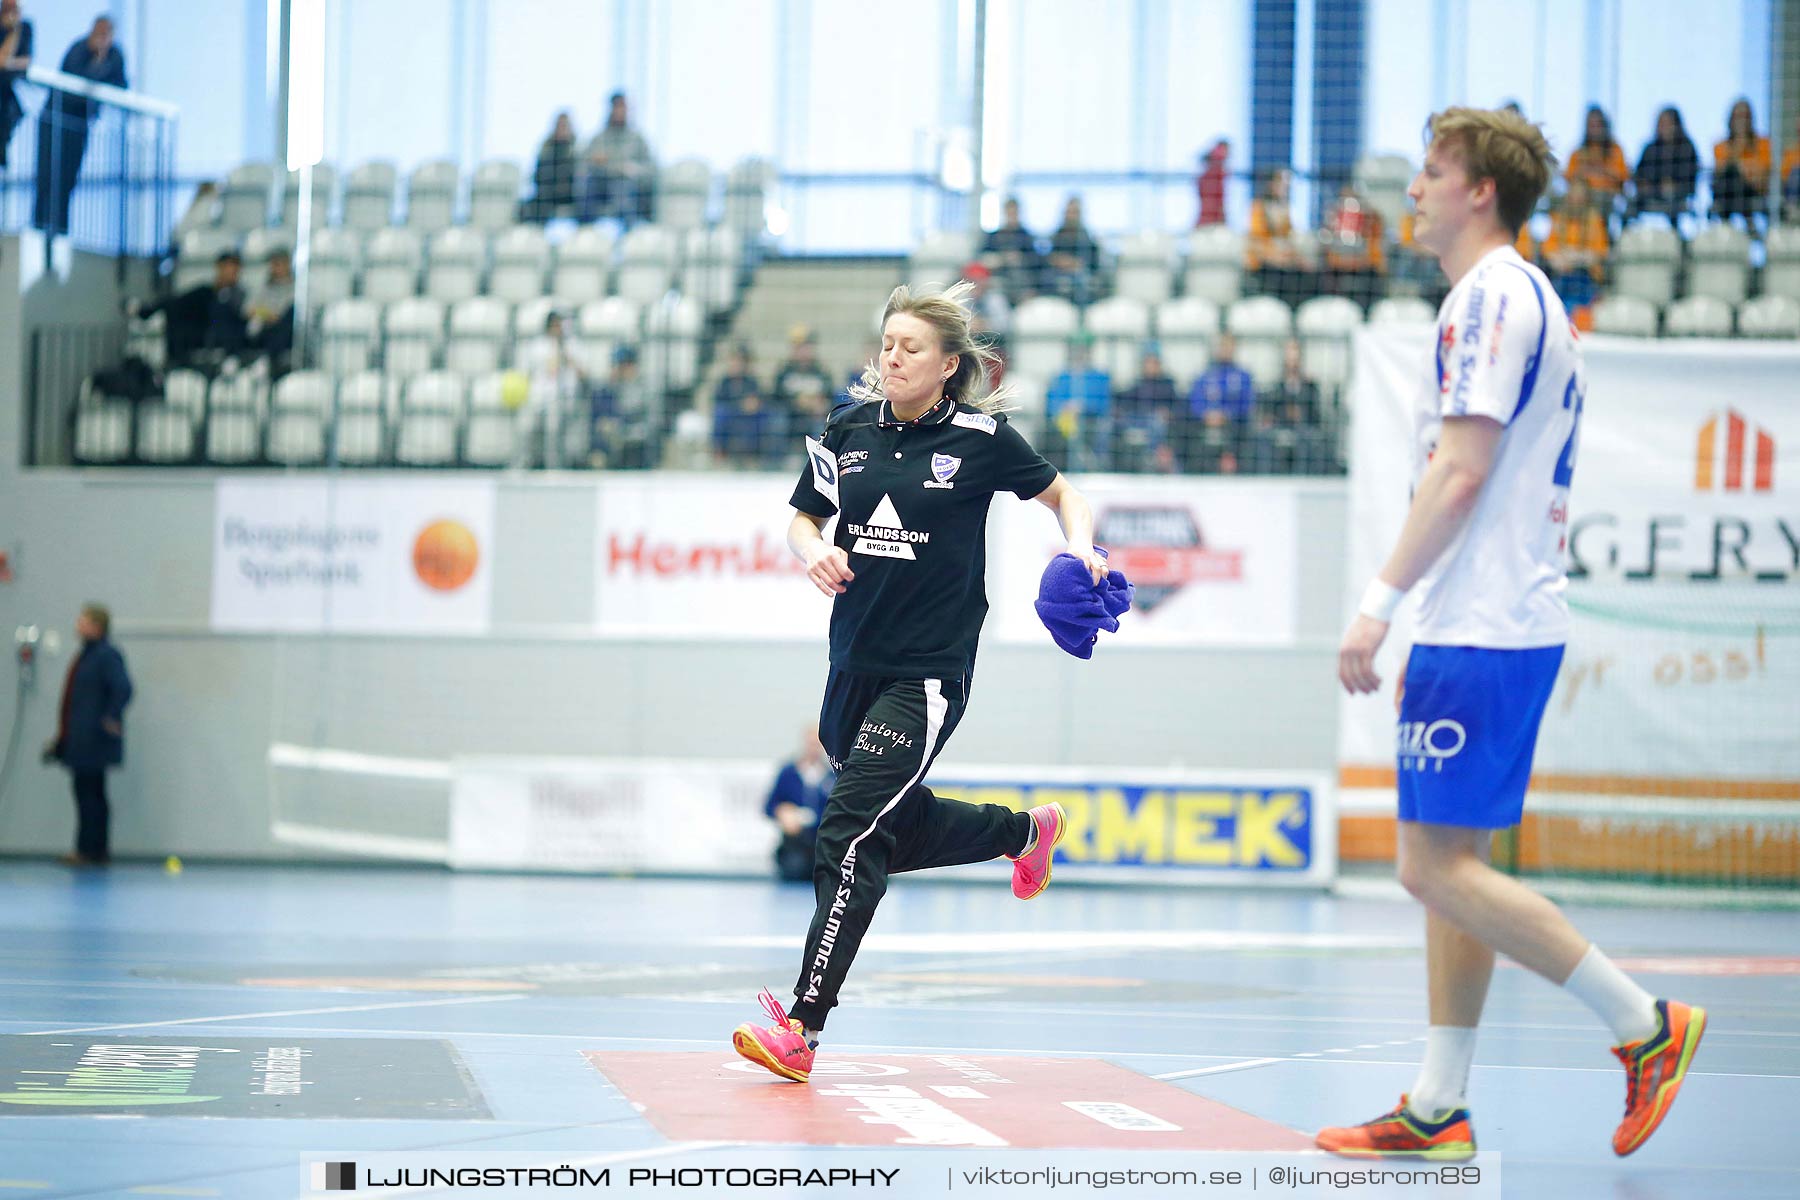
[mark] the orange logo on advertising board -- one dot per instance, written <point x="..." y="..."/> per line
<point x="1748" y="455"/>
<point x="445" y="555"/>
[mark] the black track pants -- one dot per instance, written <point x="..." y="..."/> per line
<point x="882" y="735"/>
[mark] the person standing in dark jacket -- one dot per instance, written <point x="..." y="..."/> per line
<point x="63" y="124"/>
<point x="90" y="731"/>
<point x="15" y="56"/>
<point x="796" y="801"/>
<point x="1664" y="180"/>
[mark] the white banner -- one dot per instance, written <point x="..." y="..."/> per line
<point x="1213" y="561"/>
<point x="701" y="556"/>
<point x="593" y="815"/>
<point x="1683" y="667"/>
<point x="352" y="555"/>
<point x="1191" y="827"/>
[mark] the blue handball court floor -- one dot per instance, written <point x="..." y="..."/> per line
<point x="230" y="1031"/>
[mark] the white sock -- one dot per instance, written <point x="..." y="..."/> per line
<point x="1030" y="841"/>
<point x="1614" y="997"/>
<point x="1443" y="1082"/>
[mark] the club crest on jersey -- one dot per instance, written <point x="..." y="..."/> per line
<point x="943" y="467"/>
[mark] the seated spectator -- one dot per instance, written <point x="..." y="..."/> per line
<point x="802" y="372"/>
<point x="1145" y="416"/>
<point x="1272" y="254"/>
<point x="269" y="314"/>
<point x="745" y="429"/>
<point x="1574" y="254"/>
<point x="1355" y="258"/>
<point x="553" y="179"/>
<point x="619" y="425"/>
<point x="205" y="325"/>
<point x="1011" y="253"/>
<point x="1417" y="270"/>
<point x="1293" y="402"/>
<point x="1211" y="184"/>
<point x="1284" y="412"/>
<point x="1224" y="390"/>
<point x="1079" y="405"/>
<point x="1599" y="162"/>
<point x="812" y="404"/>
<point x="1790" y="177"/>
<point x="1074" y="258"/>
<point x="796" y="801"/>
<point x="1740" y="166"/>
<point x="1667" y="169"/>
<point x="1219" y="407"/>
<point x="991" y="314"/>
<point x="559" y="374"/>
<point x="620" y="175"/>
<point x="859" y="374"/>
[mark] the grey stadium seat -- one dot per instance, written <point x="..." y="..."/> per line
<point x="426" y="439"/>
<point x="1719" y="263"/>
<point x="1698" y="316"/>
<point x="233" y="437"/>
<point x="494" y="194"/>
<point x="431" y="196"/>
<point x="103" y="433"/>
<point x="583" y="267"/>
<point x="296" y="438"/>
<point x="369" y="197"/>
<point x="1645" y="262"/>
<point x="521" y="258"/>
<point x="1627" y="316"/>
<point x="165" y="435"/>
<point x="360" y="437"/>
<point x="1770" y="317"/>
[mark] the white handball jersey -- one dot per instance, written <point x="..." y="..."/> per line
<point x="1507" y="351"/>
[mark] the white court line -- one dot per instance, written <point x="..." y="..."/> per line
<point x="291" y="1012"/>
<point x="1315" y="1058"/>
<point x="853" y="1048"/>
<point x="1251" y="1064"/>
<point x="1246" y="1065"/>
<point x="1114" y="941"/>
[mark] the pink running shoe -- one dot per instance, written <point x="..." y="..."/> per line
<point x="1031" y="870"/>
<point x="780" y="1048"/>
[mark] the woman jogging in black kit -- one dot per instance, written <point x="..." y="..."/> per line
<point x="909" y="470"/>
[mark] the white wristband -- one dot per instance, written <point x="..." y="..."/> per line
<point x="1380" y="599"/>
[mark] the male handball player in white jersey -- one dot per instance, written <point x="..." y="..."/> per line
<point x="1483" y="545"/>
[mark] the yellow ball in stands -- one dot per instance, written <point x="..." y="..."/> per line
<point x="515" y="389"/>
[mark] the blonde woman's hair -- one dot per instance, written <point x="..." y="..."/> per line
<point x="1501" y="145"/>
<point x="949" y="314"/>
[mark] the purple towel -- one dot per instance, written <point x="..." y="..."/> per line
<point x="1075" y="609"/>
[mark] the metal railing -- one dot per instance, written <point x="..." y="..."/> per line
<point x="93" y="162"/>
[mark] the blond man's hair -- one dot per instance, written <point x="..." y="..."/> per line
<point x="948" y="313"/>
<point x="100" y="615"/>
<point x="1500" y="145"/>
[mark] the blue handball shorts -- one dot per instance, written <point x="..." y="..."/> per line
<point x="1468" y="725"/>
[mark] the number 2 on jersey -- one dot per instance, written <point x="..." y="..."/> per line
<point x="1573" y="396"/>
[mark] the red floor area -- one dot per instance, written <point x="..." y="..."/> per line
<point x="919" y="1100"/>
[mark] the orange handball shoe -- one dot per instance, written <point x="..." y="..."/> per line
<point x="780" y="1048"/>
<point x="1654" y="1069"/>
<point x="1404" y="1134"/>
